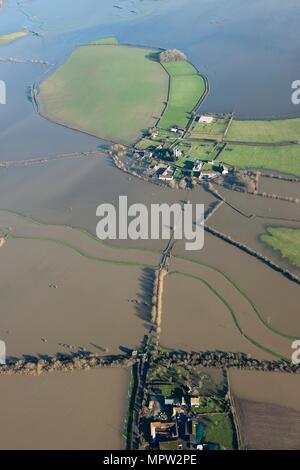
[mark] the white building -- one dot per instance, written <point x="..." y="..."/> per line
<point x="198" y="165"/>
<point x="177" y="152"/>
<point x="225" y="170"/>
<point x="166" y="175"/>
<point x="206" y="119"/>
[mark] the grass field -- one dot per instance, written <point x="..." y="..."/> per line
<point x="285" y="159"/>
<point x="218" y="430"/>
<point x="168" y="445"/>
<point x="193" y="151"/>
<point x="186" y="88"/>
<point x="7" y="38"/>
<point x="109" y="91"/>
<point x="286" y="130"/>
<point x="286" y="241"/>
<point x="215" y="130"/>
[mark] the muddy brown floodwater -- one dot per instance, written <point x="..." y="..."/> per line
<point x="243" y="228"/>
<point x="81" y="410"/>
<point x="274" y="296"/>
<point x="268" y="409"/>
<point x="204" y="311"/>
<point x="56" y="298"/>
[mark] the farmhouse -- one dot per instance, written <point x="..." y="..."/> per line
<point x="209" y="174"/>
<point x="224" y="170"/>
<point x="195" y="401"/>
<point x="154" y="132"/>
<point x="165" y="174"/>
<point x="198" y="165"/>
<point x="163" y="430"/>
<point x="176" y="129"/>
<point x="177" y="152"/>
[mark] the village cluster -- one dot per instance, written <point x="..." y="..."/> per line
<point x="172" y="157"/>
<point x="183" y="413"/>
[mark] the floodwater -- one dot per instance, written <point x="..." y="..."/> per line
<point x="207" y="312"/>
<point x="275" y="297"/>
<point x="280" y="187"/>
<point x="248" y="216"/>
<point x="250" y="54"/>
<point x="64" y="411"/>
<point x="55" y="298"/>
<point x="268" y="409"/>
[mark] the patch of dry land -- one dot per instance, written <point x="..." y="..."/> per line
<point x="7" y="38"/>
<point x="108" y="90"/>
<point x="268" y="409"/>
<point x="61" y="289"/>
<point x="81" y="410"/>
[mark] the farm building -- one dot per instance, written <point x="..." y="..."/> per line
<point x="205" y="119"/>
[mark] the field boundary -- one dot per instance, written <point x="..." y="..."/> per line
<point x="199" y="102"/>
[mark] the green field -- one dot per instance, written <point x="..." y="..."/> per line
<point x="186" y="88"/>
<point x="285" y="159"/>
<point x="287" y="130"/>
<point x="7" y="38"/>
<point x="168" y="445"/>
<point x="286" y="241"/>
<point x="214" y="131"/>
<point x="210" y="405"/>
<point x="193" y="151"/>
<point x="109" y="91"/>
<point x="218" y="430"/>
<point x="145" y="144"/>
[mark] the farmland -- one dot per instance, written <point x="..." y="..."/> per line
<point x="285" y="159"/>
<point x="109" y="91"/>
<point x="214" y="130"/>
<point x="186" y="89"/>
<point x="218" y="429"/>
<point x="281" y="130"/>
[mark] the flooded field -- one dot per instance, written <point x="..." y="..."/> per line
<point x="280" y="187"/>
<point x="83" y="410"/>
<point x="251" y="205"/>
<point x="204" y="311"/>
<point x="245" y="228"/>
<point x="81" y="184"/>
<point x="58" y="294"/>
<point x="263" y="285"/>
<point x="265" y="403"/>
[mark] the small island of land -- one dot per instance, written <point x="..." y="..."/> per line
<point x="7" y="38"/>
<point x="115" y="91"/>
